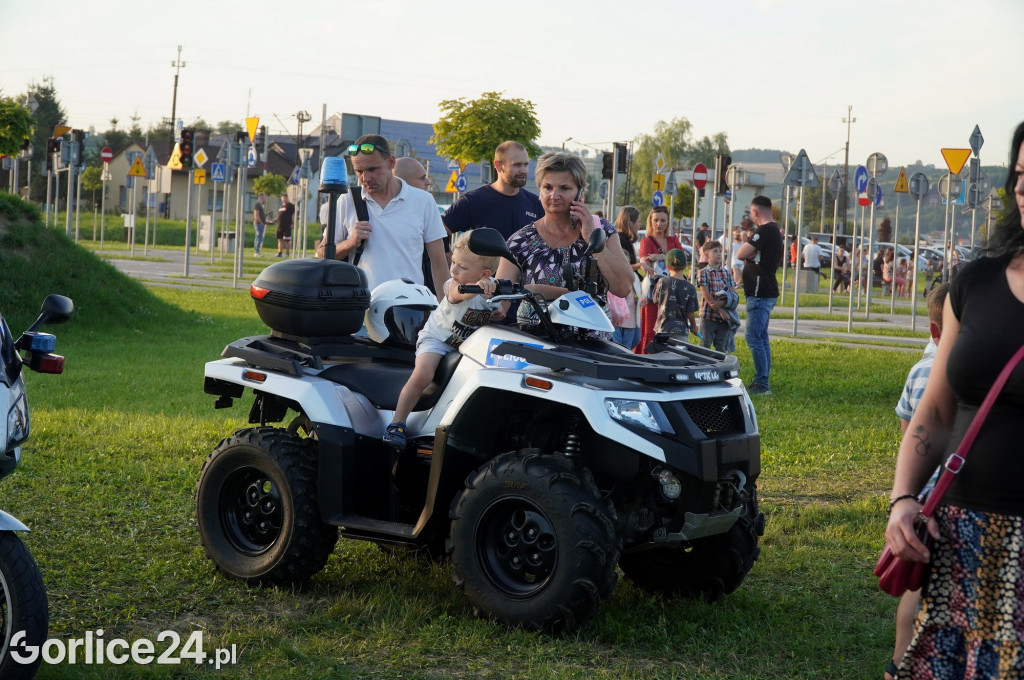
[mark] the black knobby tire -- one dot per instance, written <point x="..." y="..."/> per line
<point x="256" y="506"/>
<point x="22" y="607"/>
<point x="532" y="542"/>
<point x="708" y="568"/>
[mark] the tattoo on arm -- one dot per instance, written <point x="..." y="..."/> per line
<point x="922" y="445"/>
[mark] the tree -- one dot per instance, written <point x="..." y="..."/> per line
<point x="673" y="140"/>
<point x="16" y="126"/>
<point x="92" y="181"/>
<point x="48" y="114"/>
<point x="469" y="131"/>
<point x="270" y="184"/>
<point x="114" y="138"/>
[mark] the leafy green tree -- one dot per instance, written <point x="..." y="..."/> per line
<point x="469" y="131"/>
<point x="674" y="141"/>
<point x="270" y="184"/>
<point x="92" y="181"/>
<point x="16" y="126"/>
<point x="48" y="114"/>
<point x="114" y="138"/>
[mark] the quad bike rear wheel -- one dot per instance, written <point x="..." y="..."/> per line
<point x="256" y="506"/>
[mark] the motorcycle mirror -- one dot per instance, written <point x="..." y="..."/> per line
<point x="489" y="242"/>
<point x="56" y="309"/>
<point x="596" y="243"/>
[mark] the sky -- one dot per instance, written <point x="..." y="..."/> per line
<point x="771" y="74"/>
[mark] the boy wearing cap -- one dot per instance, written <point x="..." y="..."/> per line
<point x="676" y="298"/>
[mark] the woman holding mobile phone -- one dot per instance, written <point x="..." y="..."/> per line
<point x="542" y="248"/>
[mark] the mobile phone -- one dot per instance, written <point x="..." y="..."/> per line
<point x="573" y="219"/>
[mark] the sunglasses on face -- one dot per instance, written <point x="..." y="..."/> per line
<point x="366" y="148"/>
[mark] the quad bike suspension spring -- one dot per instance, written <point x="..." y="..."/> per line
<point x="571" y="437"/>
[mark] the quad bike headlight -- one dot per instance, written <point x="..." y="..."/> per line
<point x="635" y="412"/>
<point x="17" y="418"/>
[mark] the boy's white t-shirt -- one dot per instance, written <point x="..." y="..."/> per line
<point x="451" y="323"/>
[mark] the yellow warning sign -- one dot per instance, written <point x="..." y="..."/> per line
<point x="450" y="189"/>
<point x="901" y="182"/>
<point x="199" y="176"/>
<point x="251" y="124"/>
<point x="137" y="170"/>
<point x="175" y="162"/>
<point x="462" y="166"/>
<point x="955" y="159"/>
<point x="659" y="181"/>
<point x="61" y="130"/>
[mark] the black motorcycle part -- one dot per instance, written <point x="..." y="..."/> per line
<point x="23" y="607"/>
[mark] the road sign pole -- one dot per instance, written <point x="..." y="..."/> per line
<point x="71" y="184"/>
<point x="103" y="204"/>
<point x="947" y="240"/>
<point x="917" y="241"/>
<point x="213" y="222"/>
<point x="785" y="247"/>
<point x="799" y="255"/>
<point x="871" y="247"/>
<point x="78" y="202"/>
<point x="835" y="244"/>
<point x="895" y="260"/>
<point x="188" y="222"/>
<point x="856" y="271"/>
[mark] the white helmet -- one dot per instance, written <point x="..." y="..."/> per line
<point x="398" y="310"/>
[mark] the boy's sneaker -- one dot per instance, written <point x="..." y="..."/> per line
<point x="759" y="388"/>
<point x="394" y="436"/>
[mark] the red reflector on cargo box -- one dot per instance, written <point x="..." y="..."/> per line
<point x="254" y="376"/>
<point x="257" y="292"/>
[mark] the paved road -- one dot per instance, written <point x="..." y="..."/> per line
<point x="163" y="267"/>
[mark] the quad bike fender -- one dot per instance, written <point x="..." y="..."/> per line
<point x="321" y="400"/>
<point x="9" y="522"/>
<point x="590" y="402"/>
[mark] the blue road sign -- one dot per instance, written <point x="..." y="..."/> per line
<point x="462" y="184"/>
<point x="860" y="179"/>
<point x="217" y="172"/>
<point x="294" y="179"/>
<point x="659" y="199"/>
<point x="878" y="195"/>
<point x="252" y="157"/>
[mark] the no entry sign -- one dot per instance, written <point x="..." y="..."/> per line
<point x="700" y="176"/>
<point x="106" y="155"/>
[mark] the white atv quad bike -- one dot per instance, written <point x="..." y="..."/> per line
<point x="537" y="461"/>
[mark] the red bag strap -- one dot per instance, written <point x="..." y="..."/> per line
<point x="955" y="462"/>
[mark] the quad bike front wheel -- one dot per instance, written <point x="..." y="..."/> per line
<point x="532" y="542"/>
<point x="256" y="506"/>
<point x="23" y="608"/>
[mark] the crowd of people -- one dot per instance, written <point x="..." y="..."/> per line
<point x="969" y="620"/>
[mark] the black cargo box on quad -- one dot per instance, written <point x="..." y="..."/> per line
<point x="312" y="297"/>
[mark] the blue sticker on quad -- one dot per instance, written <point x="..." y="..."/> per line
<point x="585" y="301"/>
<point x="507" y="360"/>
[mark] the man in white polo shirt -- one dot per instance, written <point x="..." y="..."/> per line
<point x="403" y="221"/>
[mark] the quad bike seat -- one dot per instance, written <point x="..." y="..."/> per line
<point x="382" y="381"/>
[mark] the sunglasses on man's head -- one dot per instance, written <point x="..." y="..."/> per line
<point x="366" y="148"/>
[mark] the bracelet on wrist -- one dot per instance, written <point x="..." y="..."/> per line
<point x="896" y="500"/>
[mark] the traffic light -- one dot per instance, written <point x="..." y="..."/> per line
<point x="606" y="165"/>
<point x="52" y="147"/>
<point x="188" y="136"/>
<point x="620" y="149"/>
<point x="261" y="137"/>
<point x="79" y="147"/>
<point x="722" y="162"/>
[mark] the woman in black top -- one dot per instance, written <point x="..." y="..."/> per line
<point x="972" y="622"/>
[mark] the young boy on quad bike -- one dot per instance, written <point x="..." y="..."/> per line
<point x="458" y="315"/>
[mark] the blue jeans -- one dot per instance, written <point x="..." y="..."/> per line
<point x="627" y="337"/>
<point x="258" y="241"/>
<point x="759" y="310"/>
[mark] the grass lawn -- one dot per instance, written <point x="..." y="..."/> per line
<point x="117" y="442"/>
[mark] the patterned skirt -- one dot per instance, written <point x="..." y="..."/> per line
<point x="971" y="624"/>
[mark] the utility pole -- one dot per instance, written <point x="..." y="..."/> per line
<point x="846" y="165"/>
<point x="176" y="65"/>
<point x="303" y="117"/>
